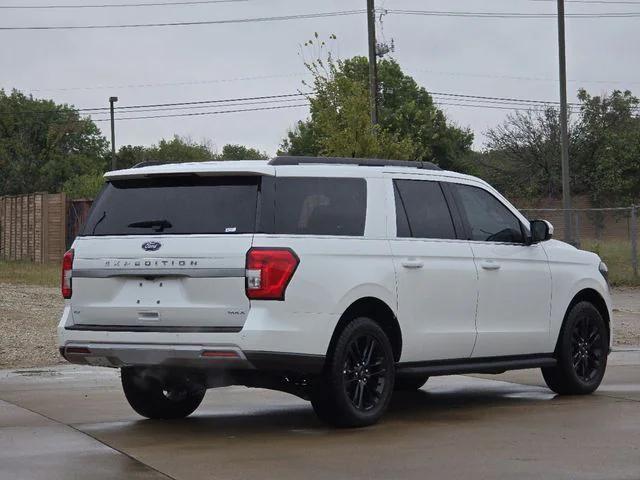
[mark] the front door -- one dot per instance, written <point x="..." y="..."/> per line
<point x="514" y="278"/>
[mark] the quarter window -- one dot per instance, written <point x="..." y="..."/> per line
<point x="422" y="210"/>
<point x="488" y="218"/>
<point x="320" y="206"/>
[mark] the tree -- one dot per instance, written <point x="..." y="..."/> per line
<point x="177" y="150"/>
<point x="609" y="147"/>
<point x="410" y="125"/>
<point x="43" y="144"/>
<point x="240" y="152"/>
<point x="523" y="154"/>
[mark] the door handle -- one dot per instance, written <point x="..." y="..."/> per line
<point x="412" y="264"/>
<point x="490" y="265"/>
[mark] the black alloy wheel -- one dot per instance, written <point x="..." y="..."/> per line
<point x="356" y="385"/>
<point x="587" y="349"/>
<point x="581" y="353"/>
<point x="364" y="372"/>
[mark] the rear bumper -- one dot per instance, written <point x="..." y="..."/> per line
<point x="202" y="357"/>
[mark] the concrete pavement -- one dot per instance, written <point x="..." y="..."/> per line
<point x="74" y="422"/>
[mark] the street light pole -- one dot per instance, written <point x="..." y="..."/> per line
<point x="564" y="135"/>
<point x="112" y="100"/>
<point x="373" y="62"/>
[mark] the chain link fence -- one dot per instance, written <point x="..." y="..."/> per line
<point x="612" y="233"/>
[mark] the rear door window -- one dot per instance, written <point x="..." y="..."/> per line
<point x="175" y="205"/>
<point x="320" y="206"/>
<point x="422" y="210"/>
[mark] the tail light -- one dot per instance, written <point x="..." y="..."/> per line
<point x="67" y="267"/>
<point x="269" y="271"/>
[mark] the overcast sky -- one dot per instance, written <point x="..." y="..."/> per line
<point x="459" y="55"/>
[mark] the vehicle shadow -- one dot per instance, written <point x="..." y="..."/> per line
<point x="454" y="404"/>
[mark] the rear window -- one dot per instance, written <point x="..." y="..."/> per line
<point x="320" y="206"/>
<point x="175" y="205"/>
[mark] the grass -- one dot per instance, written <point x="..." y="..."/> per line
<point x="45" y="274"/>
<point x="617" y="256"/>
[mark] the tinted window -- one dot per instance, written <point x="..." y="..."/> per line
<point x="488" y="218"/>
<point x="175" y="205"/>
<point x="320" y="206"/>
<point x="427" y="213"/>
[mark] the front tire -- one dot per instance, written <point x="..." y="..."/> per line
<point x="357" y="383"/>
<point x="158" y="397"/>
<point x="582" y="352"/>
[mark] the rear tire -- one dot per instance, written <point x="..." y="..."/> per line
<point x="582" y="352"/>
<point x="157" y="398"/>
<point x="409" y="384"/>
<point x="357" y="383"/>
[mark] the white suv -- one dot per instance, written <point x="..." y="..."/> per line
<point x="337" y="280"/>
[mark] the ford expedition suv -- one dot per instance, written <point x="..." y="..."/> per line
<point x="337" y="280"/>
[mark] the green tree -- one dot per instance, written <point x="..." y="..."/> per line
<point x="43" y="144"/>
<point x="83" y="186"/>
<point x="177" y="150"/>
<point x="609" y="147"/>
<point x="410" y="125"/>
<point x="240" y="152"/>
<point x="523" y="153"/>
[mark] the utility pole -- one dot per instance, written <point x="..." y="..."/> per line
<point x="373" y="61"/>
<point x="112" y="100"/>
<point x="564" y="150"/>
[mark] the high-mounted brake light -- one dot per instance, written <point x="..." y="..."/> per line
<point x="67" y="268"/>
<point x="269" y="271"/>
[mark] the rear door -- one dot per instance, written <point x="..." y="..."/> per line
<point x="514" y="278"/>
<point x="436" y="274"/>
<point x="166" y="254"/>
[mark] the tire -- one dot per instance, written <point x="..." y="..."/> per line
<point x="357" y="383"/>
<point x="582" y="352"/>
<point x="155" y="398"/>
<point x="409" y="384"/>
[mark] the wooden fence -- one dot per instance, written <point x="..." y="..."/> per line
<point x="33" y="227"/>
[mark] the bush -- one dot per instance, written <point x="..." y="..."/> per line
<point x="83" y="186"/>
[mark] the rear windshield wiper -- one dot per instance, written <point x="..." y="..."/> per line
<point x="157" y="225"/>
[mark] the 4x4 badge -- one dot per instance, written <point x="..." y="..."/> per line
<point x="151" y="246"/>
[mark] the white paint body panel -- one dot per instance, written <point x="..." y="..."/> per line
<point x="451" y="308"/>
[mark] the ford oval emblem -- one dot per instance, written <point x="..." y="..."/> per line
<point x="151" y="246"/>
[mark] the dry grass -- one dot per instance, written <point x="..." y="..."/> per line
<point x="27" y="273"/>
<point x="617" y="256"/>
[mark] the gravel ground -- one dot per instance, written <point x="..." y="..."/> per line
<point x="29" y="315"/>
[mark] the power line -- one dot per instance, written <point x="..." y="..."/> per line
<point x="522" y="78"/>
<point x="280" y="18"/>
<point x="144" y="117"/>
<point x="510" y="15"/>
<point x="98" y="110"/>
<point x="117" y="5"/>
<point x="170" y="84"/>
<point x="596" y="2"/>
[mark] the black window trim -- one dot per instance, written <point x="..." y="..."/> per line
<point x="455" y="220"/>
<point x="463" y="215"/>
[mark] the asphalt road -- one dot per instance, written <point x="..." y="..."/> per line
<point x="73" y="422"/>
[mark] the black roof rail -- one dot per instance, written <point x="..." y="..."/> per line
<point x="361" y="162"/>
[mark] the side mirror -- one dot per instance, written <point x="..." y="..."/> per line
<point x="541" y="230"/>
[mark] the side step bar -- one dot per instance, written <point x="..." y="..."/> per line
<point x="475" y="365"/>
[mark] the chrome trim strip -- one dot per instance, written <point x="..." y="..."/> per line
<point x="151" y="328"/>
<point x="158" y="272"/>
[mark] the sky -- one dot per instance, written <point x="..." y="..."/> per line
<point x="513" y="57"/>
